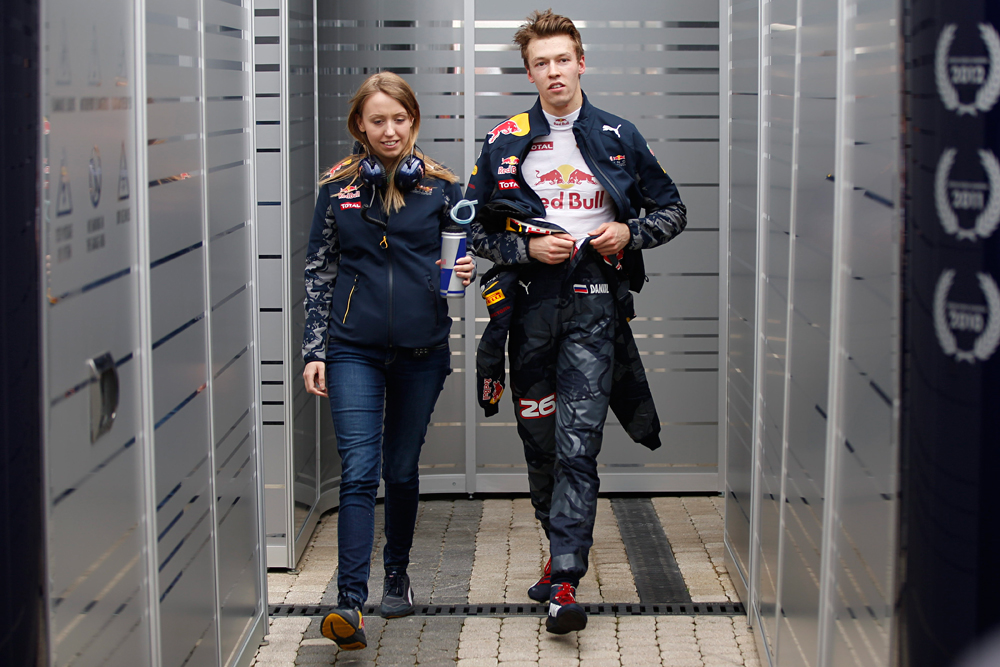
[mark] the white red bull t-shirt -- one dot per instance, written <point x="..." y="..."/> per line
<point x="556" y="171"/>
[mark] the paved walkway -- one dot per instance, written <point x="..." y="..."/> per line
<point x="491" y="551"/>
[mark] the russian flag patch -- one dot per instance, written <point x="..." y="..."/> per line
<point x="581" y="289"/>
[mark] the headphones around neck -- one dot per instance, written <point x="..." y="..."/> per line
<point x="409" y="172"/>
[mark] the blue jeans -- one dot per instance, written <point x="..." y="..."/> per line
<point x="381" y="400"/>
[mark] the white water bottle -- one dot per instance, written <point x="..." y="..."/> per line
<point x="453" y="241"/>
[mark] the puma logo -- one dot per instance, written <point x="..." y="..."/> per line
<point x="524" y="285"/>
<point x="608" y="128"/>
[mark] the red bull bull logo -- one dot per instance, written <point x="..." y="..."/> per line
<point x="518" y="126"/>
<point x="512" y="160"/>
<point x="565" y="176"/>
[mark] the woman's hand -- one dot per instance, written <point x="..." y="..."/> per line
<point x="465" y="268"/>
<point x="315" y="377"/>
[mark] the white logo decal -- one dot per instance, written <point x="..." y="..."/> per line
<point x="536" y="409"/>
<point x="608" y="128"/>
<point x="950" y="316"/>
<point x="524" y="285"/>
<point x="949" y="71"/>
<point x="962" y="195"/>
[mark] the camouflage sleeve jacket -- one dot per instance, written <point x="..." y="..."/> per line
<point x="614" y="150"/>
<point x="370" y="277"/>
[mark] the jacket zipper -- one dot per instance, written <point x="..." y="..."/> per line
<point x="385" y="245"/>
<point x="605" y="181"/>
<point x="349" y="297"/>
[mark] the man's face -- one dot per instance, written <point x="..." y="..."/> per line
<point x="555" y="70"/>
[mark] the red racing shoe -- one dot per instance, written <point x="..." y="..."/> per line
<point x="565" y="614"/>
<point x="540" y="591"/>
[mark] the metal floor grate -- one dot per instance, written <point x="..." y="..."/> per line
<point x="504" y="609"/>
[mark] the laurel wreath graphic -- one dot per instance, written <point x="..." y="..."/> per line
<point x="945" y="337"/>
<point x="989" y="218"/>
<point x="949" y="220"/>
<point x="988" y="93"/>
<point x="987" y="342"/>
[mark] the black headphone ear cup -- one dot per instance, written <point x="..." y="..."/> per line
<point x="372" y="172"/>
<point x="409" y="173"/>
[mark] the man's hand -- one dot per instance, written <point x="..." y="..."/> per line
<point x="315" y="377"/>
<point x="610" y="238"/>
<point x="551" y="248"/>
<point x="465" y="268"/>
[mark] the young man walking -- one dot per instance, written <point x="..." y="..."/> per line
<point x="560" y="190"/>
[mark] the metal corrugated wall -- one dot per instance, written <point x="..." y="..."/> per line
<point x="154" y="519"/>
<point x="813" y="325"/>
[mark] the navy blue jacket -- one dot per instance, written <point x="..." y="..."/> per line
<point x="619" y="158"/>
<point x="365" y="292"/>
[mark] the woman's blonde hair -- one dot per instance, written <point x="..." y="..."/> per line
<point x="395" y="87"/>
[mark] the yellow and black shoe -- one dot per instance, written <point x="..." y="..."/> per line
<point x="347" y="628"/>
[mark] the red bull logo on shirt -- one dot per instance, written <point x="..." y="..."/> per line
<point x="565" y="176"/>
<point x="518" y="126"/>
<point x="574" y="201"/>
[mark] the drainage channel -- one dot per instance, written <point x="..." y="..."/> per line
<point x="500" y="610"/>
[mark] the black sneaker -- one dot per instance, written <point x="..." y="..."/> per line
<point x="543" y="587"/>
<point x="347" y="628"/>
<point x="565" y="615"/>
<point x="397" y="596"/>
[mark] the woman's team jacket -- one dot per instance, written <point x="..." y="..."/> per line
<point x="372" y="286"/>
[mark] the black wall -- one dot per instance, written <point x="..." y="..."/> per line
<point x="950" y="444"/>
<point x="21" y="528"/>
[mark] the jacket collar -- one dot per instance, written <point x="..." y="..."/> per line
<point x="536" y="117"/>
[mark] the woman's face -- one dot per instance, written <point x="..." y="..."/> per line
<point x="387" y="125"/>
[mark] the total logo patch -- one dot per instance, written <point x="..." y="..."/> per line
<point x="542" y="146"/>
<point x="350" y="204"/>
<point x="597" y="288"/>
<point x="509" y="184"/>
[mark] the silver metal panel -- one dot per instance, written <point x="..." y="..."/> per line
<point x="743" y="44"/>
<point x="98" y="588"/>
<point x="865" y="518"/>
<point x="228" y="153"/>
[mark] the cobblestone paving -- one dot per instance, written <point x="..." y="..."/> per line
<point x="492" y="551"/>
